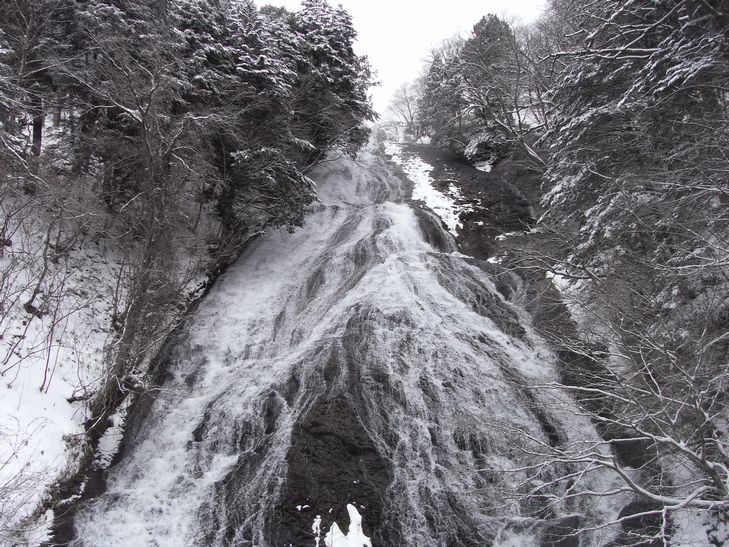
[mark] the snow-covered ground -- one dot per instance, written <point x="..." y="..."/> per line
<point x="448" y="206"/>
<point x="49" y="356"/>
<point x="484" y="166"/>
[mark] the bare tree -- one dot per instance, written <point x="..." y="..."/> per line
<point x="404" y="105"/>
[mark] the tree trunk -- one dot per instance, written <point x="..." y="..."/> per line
<point x="89" y="117"/>
<point x="38" y="120"/>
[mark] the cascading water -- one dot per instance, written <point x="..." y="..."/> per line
<point x="358" y="361"/>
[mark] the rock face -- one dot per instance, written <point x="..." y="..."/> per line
<point x="332" y="461"/>
<point x="488" y="146"/>
<point x="562" y="533"/>
<point x="503" y="200"/>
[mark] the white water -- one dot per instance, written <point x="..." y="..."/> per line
<point x="357" y="339"/>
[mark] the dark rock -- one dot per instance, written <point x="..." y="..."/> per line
<point x="504" y="200"/>
<point x="563" y="532"/>
<point x="332" y="462"/>
<point x="433" y="231"/>
<point x="638" y="530"/>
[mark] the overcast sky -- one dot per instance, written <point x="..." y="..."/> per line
<point x="397" y="35"/>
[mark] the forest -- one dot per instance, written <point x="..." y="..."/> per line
<point x="144" y="145"/>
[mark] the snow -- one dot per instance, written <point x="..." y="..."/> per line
<point x="316" y="529"/>
<point x="41" y="430"/>
<point x="53" y="361"/>
<point x="505" y="236"/>
<point x="353" y="538"/>
<point x="110" y="441"/>
<point x="448" y="207"/>
<point x="484" y="166"/>
<point x="530" y="117"/>
<point x="556" y="194"/>
<point x="690" y="528"/>
<point x="571" y="293"/>
<point x="472" y="147"/>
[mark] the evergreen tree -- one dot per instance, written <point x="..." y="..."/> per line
<point x="28" y="28"/>
<point x="261" y="65"/>
<point x="637" y="186"/>
<point x="331" y="92"/>
<point x="208" y="52"/>
<point x="486" y="65"/>
<point x="441" y="106"/>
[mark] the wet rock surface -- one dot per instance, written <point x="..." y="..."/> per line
<point x="332" y="462"/>
<point x="433" y="231"/>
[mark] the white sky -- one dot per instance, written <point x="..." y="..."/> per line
<point x="397" y="35"/>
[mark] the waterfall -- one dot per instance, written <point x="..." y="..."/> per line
<point x="355" y="368"/>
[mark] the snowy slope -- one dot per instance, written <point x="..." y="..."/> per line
<point x="52" y="358"/>
<point x="64" y="275"/>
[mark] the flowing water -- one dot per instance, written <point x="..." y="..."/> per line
<point x="359" y="362"/>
